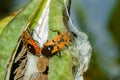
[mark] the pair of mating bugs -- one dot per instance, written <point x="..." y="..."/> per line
<point x="49" y="48"/>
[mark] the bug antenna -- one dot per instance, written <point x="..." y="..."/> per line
<point x="68" y="13"/>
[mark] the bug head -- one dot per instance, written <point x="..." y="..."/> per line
<point x="46" y="50"/>
<point x="31" y="49"/>
<point x="75" y="35"/>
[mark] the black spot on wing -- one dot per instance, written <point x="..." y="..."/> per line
<point x="31" y="49"/>
<point x="47" y="50"/>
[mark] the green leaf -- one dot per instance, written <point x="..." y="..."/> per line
<point x="11" y="33"/>
<point x="4" y="22"/>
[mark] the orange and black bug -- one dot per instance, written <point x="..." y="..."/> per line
<point x="50" y="47"/>
<point x="30" y="43"/>
<point x="56" y="44"/>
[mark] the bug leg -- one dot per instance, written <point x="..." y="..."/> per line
<point x="71" y="40"/>
<point x="56" y="31"/>
<point x="66" y="45"/>
<point x="74" y="34"/>
<point x="59" y="53"/>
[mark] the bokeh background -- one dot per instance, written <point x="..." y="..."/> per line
<point x="9" y="6"/>
<point x="100" y="20"/>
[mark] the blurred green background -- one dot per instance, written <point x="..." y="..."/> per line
<point x="100" y="20"/>
<point x="8" y="6"/>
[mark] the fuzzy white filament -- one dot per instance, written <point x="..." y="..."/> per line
<point x="83" y="48"/>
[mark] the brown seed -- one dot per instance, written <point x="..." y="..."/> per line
<point x="19" y="73"/>
<point x="20" y="55"/>
<point x="41" y="64"/>
<point x="23" y="63"/>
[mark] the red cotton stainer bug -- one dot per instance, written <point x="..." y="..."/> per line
<point x="31" y="45"/>
<point x="53" y="46"/>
